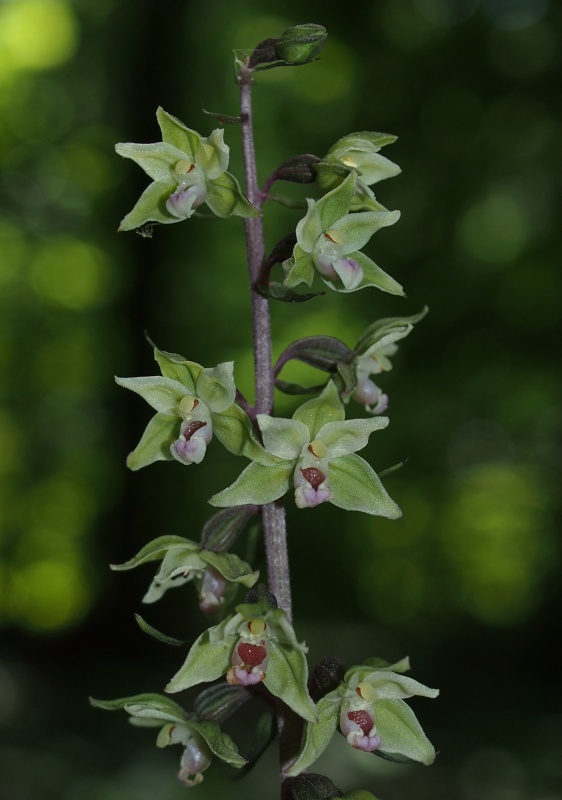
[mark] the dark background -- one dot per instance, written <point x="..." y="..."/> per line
<point x="467" y="582"/>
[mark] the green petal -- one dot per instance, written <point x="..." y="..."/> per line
<point x="285" y="438"/>
<point x="225" y="198"/>
<point x="257" y="485"/>
<point x="150" y="207"/>
<point x="174" y="132"/>
<point x="155" y="442"/>
<point x="401" y="732"/>
<point x="321" y="410"/>
<point x="157" y="160"/>
<point x="163" y="394"/>
<point x="299" y="268"/>
<point x="317" y="736"/>
<point x="213" y="154"/>
<point x="309" y="229"/>
<point x="216" y="387"/>
<point x="287" y="678"/>
<point x="357" y="487"/>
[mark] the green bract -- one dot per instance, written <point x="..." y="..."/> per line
<point x="329" y="240"/>
<point x="256" y="644"/>
<point x="315" y="451"/>
<point x="192" y="404"/>
<point x="370" y="710"/>
<point x="373" y="351"/>
<point x="187" y="170"/>
<point x="200" y="738"/>
<point x="183" y="561"/>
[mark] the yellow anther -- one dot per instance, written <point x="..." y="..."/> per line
<point x="256" y="627"/>
<point x="187" y="404"/>
<point x="367" y="692"/>
<point x="184" y="166"/>
<point x="318" y="448"/>
<point x="334" y="236"/>
<point x="349" y="162"/>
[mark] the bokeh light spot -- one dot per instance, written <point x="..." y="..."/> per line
<point x="494" y="230"/>
<point x="497" y="537"/>
<point x="50" y="594"/>
<point x="73" y="274"/>
<point x="37" y="34"/>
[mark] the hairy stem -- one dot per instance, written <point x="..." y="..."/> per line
<point x="273" y="514"/>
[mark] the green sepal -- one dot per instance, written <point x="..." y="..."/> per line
<point x="174" y="132"/>
<point x="234" y="430"/>
<point x="155" y="159"/>
<point x="257" y="484"/>
<point x="208" y="659"/>
<point x="225" y="198"/>
<point x="163" y="394"/>
<point x="155" y="708"/>
<point x="317" y="735"/>
<point x="373" y="276"/>
<point x="402" y="733"/>
<point x="154" y="551"/>
<point x="395" y="326"/>
<point x="230" y="567"/>
<point x="327" y="407"/>
<point x="287" y="677"/>
<point x="155" y="442"/>
<point x="150" y="207"/>
<point x="357" y="487"/>
<point x="335" y="204"/>
<point x="379" y="665"/>
<point x="219" y="743"/>
<point x="178" y="368"/>
<point x="156" y="634"/>
<point x="357" y="229"/>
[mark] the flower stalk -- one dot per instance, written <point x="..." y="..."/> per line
<point x="273" y="514"/>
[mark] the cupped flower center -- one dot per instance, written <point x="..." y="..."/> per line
<point x="250" y="656"/>
<point x="311" y="479"/>
<point x="196" y="431"/>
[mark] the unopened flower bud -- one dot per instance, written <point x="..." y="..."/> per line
<point x="301" y="43"/>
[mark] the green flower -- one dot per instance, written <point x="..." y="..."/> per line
<point x="201" y="739"/>
<point x="329" y="240"/>
<point x="183" y="561"/>
<point x="376" y="346"/>
<point x="187" y="170"/>
<point x="316" y="452"/>
<point x="256" y="644"/>
<point x="359" y="152"/>
<point x="192" y="404"/>
<point x="369" y="707"/>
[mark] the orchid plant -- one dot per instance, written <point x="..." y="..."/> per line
<point x="251" y="650"/>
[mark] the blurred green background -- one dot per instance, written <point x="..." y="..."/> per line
<point x="468" y="582"/>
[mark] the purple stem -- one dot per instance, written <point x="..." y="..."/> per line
<point x="273" y="514"/>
